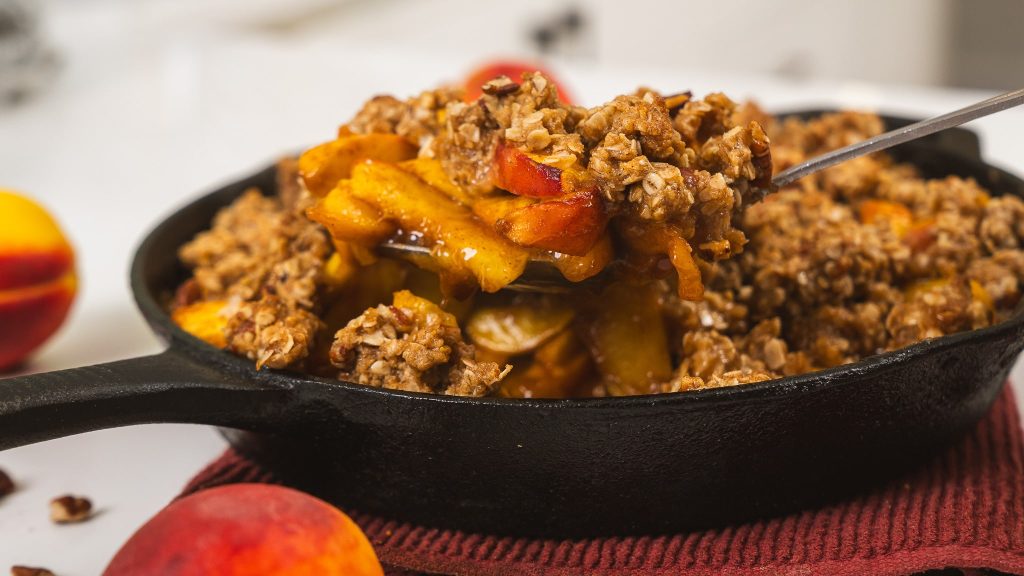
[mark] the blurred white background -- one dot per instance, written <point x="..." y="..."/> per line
<point x="972" y="43"/>
<point x="151" y="102"/>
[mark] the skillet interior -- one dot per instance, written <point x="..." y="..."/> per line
<point x="646" y="464"/>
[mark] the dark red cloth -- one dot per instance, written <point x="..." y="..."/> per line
<point x="963" y="510"/>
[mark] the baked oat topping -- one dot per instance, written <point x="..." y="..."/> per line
<point x="865" y="257"/>
<point x="256" y="245"/>
<point x="416" y="119"/>
<point x="632" y="148"/>
<point x="272" y="331"/>
<point x="860" y="259"/>
<point x="411" y="345"/>
<point x="266" y="262"/>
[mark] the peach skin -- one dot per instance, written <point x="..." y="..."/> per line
<point x="247" y="530"/>
<point x="37" y="277"/>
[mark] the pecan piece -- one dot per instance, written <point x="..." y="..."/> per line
<point x="6" y="484"/>
<point x="30" y="571"/>
<point x="67" y="509"/>
<point x="500" y="86"/>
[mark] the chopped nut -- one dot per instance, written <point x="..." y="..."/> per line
<point x="676" y="101"/>
<point x="500" y="86"/>
<point x="6" y="484"/>
<point x="68" y="509"/>
<point x="30" y="571"/>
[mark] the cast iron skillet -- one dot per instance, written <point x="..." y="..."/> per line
<point x="645" y="464"/>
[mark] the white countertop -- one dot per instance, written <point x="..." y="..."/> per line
<point x="129" y="132"/>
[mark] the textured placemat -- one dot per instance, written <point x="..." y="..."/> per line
<point x="963" y="510"/>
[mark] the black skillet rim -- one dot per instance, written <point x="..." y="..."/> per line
<point x="807" y="383"/>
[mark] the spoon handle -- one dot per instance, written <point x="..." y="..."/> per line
<point x="900" y="135"/>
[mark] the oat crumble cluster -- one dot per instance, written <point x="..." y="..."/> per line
<point x="653" y="158"/>
<point x="862" y="258"/>
<point x="265" y="263"/>
<point x="406" y="348"/>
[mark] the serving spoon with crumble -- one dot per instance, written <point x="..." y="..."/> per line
<point x="541" y="276"/>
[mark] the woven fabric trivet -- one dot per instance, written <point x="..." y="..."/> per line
<point x="963" y="510"/>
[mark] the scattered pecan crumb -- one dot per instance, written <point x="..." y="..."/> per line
<point x="500" y="86"/>
<point x="30" y="571"/>
<point x="6" y="484"/>
<point x="67" y="509"/>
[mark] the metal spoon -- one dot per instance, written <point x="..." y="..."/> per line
<point x="899" y="136"/>
<point x="541" y="276"/>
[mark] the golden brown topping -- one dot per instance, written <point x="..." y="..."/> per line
<point x="624" y="160"/>
<point x="416" y="119"/>
<point x="256" y="245"/>
<point x="933" y="308"/>
<point x="271" y="332"/>
<point x="258" y="272"/>
<point x="411" y="345"/>
<point x="705" y="286"/>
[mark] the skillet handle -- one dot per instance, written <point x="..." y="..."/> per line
<point x="166" y="387"/>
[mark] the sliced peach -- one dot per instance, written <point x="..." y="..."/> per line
<point x="521" y="175"/>
<point x="350" y="219"/>
<point x="681" y="255"/>
<point x="571" y="217"/>
<point x="579" y="268"/>
<point x="980" y="294"/>
<point x="205" y="320"/>
<point x="627" y="339"/>
<point x="429" y="285"/>
<point x="915" y="289"/>
<point x="459" y="241"/>
<point x="37" y="277"/>
<point x="430" y="171"/>
<point x="29" y="315"/>
<point x="323" y="166"/>
<point x="556" y="370"/>
<point x="421" y="308"/>
<point x="519" y="326"/>
<point x="570" y="225"/>
<point x="33" y="267"/>
<point x="374" y="283"/>
<point x="341" y="268"/>
<point x="491" y="209"/>
<point x="657" y="241"/>
<point x="895" y="214"/>
<point x="33" y="249"/>
<point x="920" y="235"/>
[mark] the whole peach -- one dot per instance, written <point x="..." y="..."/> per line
<point x="37" y="277"/>
<point x="247" y="530"/>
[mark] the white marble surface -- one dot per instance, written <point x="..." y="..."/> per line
<point x="138" y="124"/>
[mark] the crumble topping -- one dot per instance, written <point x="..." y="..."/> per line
<point x="821" y="284"/>
<point x="693" y="165"/>
<point x="413" y="349"/>
<point x="864" y="257"/>
<point x="266" y="262"/>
